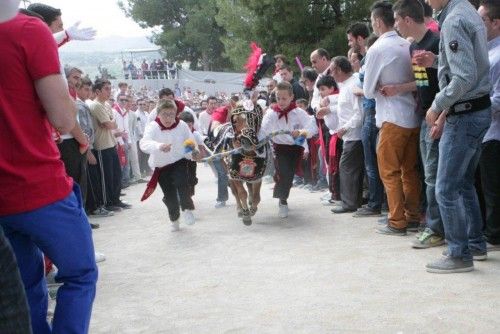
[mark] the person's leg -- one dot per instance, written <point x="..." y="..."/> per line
<point x="108" y="174"/>
<point x="170" y="198"/>
<point x="222" y="181"/>
<point x="490" y="177"/>
<point x="390" y="153"/>
<point x="14" y="313"/>
<point x="126" y="169"/>
<point x="181" y="178"/>
<point x="285" y="165"/>
<point x="134" y="161"/>
<point x="369" y="135"/>
<point x="429" y="149"/>
<point x="62" y="232"/>
<point x="351" y="175"/>
<point x="116" y="181"/>
<point x="455" y="193"/>
<point x="411" y="177"/>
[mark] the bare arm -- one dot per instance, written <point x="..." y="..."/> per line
<point x="60" y="108"/>
<point x="111" y="125"/>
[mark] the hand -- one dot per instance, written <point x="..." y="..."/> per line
<point x="322" y="112"/>
<point x="341" y="132"/>
<point x="389" y="90"/>
<point x="295" y="133"/>
<point x="424" y="59"/>
<point x="324" y="102"/>
<point x="196" y="155"/>
<point x="80" y="34"/>
<point x="83" y="148"/>
<point x="435" y="132"/>
<point x="118" y="134"/>
<point x="165" y="147"/>
<point x="305" y="155"/>
<point x="91" y="158"/>
<point x="431" y="117"/>
<point x="125" y="135"/>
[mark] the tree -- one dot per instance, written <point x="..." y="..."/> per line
<point x="290" y="27"/>
<point x="188" y="30"/>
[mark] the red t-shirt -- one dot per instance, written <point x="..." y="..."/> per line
<point x="31" y="172"/>
<point x="220" y="115"/>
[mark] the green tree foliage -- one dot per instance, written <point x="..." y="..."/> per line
<point x="187" y="29"/>
<point x="216" y="33"/>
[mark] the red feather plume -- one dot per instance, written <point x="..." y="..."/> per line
<point x="252" y="65"/>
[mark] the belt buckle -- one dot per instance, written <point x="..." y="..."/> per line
<point x="463" y="107"/>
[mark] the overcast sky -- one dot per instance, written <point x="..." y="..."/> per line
<point x="103" y="15"/>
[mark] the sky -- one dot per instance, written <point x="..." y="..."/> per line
<point x="103" y="15"/>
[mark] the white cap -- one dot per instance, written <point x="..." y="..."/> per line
<point x="8" y="9"/>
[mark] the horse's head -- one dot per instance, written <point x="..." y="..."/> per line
<point x="246" y="124"/>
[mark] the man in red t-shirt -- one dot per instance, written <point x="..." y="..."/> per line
<point x="40" y="207"/>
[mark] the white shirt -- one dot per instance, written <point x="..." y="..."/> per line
<point x="204" y="122"/>
<point x="388" y="62"/>
<point x="142" y="121"/>
<point x="154" y="137"/>
<point x="349" y="111"/>
<point x="122" y="124"/>
<point x="298" y="119"/>
<point x="332" y="118"/>
<point x="493" y="132"/>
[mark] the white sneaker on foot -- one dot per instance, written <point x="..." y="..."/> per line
<point x="283" y="211"/>
<point x="175" y="226"/>
<point x="189" y="217"/>
<point x="99" y="257"/>
<point x="220" y="204"/>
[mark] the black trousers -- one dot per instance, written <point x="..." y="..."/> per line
<point x="111" y="175"/>
<point x="286" y="159"/>
<point x="490" y="179"/>
<point x="95" y="193"/>
<point x="175" y="183"/>
<point x="75" y="163"/>
<point x="14" y="314"/>
<point x="351" y="168"/>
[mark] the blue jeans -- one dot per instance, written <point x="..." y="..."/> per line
<point x="460" y="149"/>
<point x="429" y="150"/>
<point x="222" y="181"/>
<point x="62" y="232"/>
<point x="369" y="133"/>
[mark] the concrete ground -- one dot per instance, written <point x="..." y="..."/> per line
<point x="314" y="272"/>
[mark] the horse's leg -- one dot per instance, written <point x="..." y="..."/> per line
<point x="243" y="196"/>
<point x="250" y="194"/>
<point x="255" y="196"/>
<point x="234" y="191"/>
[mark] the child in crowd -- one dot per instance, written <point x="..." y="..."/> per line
<point x="328" y="111"/>
<point x="165" y="139"/>
<point x="288" y="149"/>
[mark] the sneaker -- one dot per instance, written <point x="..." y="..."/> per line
<point x="326" y="196"/>
<point x="220" y="204"/>
<point x="389" y="230"/>
<point x="123" y="205"/>
<point x="449" y="265"/>
<point x="101" y="212"/>
<point x="113" y="208"/>
<point x="365" y="211"/>
<point x="341" y="209"/>
<point x="99" y="257"/>
<point x="428" y="239"/>
<point x="283" y="210"/>
<point x="413" y="226"/>
<point x="175" y="226"/>
<point x="331" y="202"/>
<point x="189" y="217"/>
<point x="477" y="255"/>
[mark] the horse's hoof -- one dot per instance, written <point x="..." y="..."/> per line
<point x="253" y="211"/>
<point x="246" y="217"/>
<point x="240" y="213"/>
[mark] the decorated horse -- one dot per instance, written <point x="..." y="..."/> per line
<point x="236" y="142"/>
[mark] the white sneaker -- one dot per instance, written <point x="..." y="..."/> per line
<point x="326" y="196"/>
<point x="175" y="226"/>
<point x="220" y="204"/>
<point x="189" y="217"/>
<point x="99" y="257"/>
<point x="283" y="211"/>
